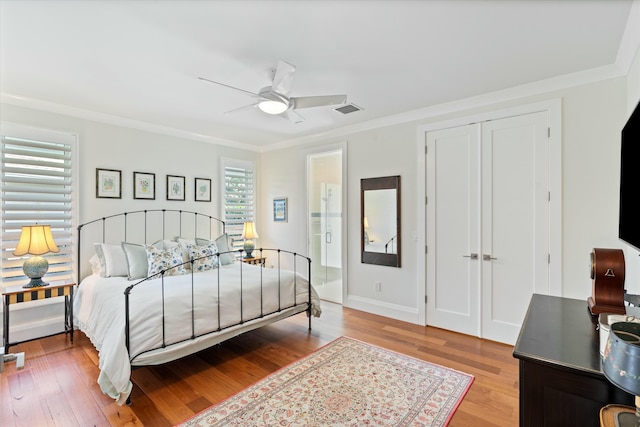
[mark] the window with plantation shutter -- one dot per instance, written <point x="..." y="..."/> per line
<point x="37" y="171"/>
<point x="239" y="197"/>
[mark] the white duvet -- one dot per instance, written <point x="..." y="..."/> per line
<point x="99" y="312"/>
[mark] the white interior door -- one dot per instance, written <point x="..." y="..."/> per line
<point x="515" y="221"/>
<point x="453" y="229"/>
<point x="487" y="224"/>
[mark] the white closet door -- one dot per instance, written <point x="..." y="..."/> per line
<point x="487" y="224"/>
<point x="453" y="224"/>
<point x="515" y="221"/>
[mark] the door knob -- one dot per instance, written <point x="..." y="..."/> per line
<point x="486" y="257"/>
<point x="472" y="256"/>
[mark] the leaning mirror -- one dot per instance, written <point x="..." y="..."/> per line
<point x="380" y="220"/>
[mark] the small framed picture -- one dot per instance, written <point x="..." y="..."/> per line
<point x="108" y="184"/>
<point x="175" y="187"/>
<point x="144" y="185"/>
<point x="280" y="209"/>
<point x="203" y="190"/>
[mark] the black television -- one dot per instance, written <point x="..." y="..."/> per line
<point x="629" y="215"/>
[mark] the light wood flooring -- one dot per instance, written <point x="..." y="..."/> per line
<point x="58" y="385"/>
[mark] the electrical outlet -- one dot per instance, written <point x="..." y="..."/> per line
<point x="378" y="286"/>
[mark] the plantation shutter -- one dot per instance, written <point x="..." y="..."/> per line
<point x="36" y="189"/>
<point x="239" y="198"/>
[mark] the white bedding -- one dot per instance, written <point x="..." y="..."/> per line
<point x="99" y="311"/>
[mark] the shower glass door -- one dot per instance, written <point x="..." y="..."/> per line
<point x="325" y="231"/>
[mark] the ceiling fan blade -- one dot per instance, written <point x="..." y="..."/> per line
<point x="292" y="116"/>
<point x="244" y="107"/>
<point x="318" y="101"/>
<point x="230" y="87"/>
<point x="283" y="79"/>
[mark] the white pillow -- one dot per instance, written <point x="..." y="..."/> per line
<point x="113" y="261"/>
<point x="222" y="242"/>
<point x="185" y="251"/>
<point x="209" y="251"/>
<point x="137" y="265"/>
<point x="96" y="267"/>
<point x="164" y="259"/>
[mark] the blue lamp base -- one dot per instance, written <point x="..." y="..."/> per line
<point x="248" y="247"/>
<point x="34" y="268"/>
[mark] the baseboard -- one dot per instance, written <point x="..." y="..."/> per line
<point x="381" y="308"/>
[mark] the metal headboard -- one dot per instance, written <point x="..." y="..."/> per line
<point x="180" y="221"/>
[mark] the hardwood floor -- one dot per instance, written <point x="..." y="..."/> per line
<point x="58" y="386"/>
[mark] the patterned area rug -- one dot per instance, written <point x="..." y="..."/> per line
<point x="345" y="383"/>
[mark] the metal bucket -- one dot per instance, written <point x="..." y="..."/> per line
<point x="621" y="360"/>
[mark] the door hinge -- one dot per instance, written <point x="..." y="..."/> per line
<point x="426" y="200"/>
<point x="425" y="149"/>
<point x="548" y="258"/>
<point x="548" y="132"/>
<point x="549" y="196"/>
<point x="425" y="299"/>
<point x="426" y="249"/>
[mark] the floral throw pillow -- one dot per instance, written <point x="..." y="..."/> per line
<point x="208" y="251"/>
<point x="164" y="259"/>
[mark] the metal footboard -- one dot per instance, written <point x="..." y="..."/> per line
<point x="282" y="304"/>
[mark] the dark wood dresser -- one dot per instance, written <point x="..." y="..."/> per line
<point x="561" y="381"/>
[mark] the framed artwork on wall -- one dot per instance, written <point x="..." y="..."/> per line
<point x="202" y="190"/>
<point x="280" y="209"/>
<point x="108" y="184"/>
<point x="175" y="187"/>
<point x="144" y="185"/>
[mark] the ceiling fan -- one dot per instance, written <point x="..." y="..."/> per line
<point x="276" y="99"/>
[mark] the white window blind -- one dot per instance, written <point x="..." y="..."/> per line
<point x="239" y="198"/>
<point x="36" y="189"/>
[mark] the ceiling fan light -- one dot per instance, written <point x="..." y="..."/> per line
<point x="273" y="107"/>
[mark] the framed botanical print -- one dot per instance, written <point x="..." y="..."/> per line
<point x="175" y="187"/>
<point x="144" y="185"/>
<point x="202" y="190"/>
<point x="280" y="209"/>
<point x="108" y="184"/>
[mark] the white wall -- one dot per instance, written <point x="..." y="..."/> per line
<point x="592" y="116"/>
<point x="114" y="147"/>
<point x="632" y="256"/>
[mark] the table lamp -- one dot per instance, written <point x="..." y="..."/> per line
<point x="621" y="365"/>
<point x="248" y="234"/>
<point x="35" y="240"/>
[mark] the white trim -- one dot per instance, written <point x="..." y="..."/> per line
<point x="535" y="88"/>
<point x="630" y="43"/>
<point x="381" y="308"/>
<point x="554" y="109"/>
<point x="95" y="116"/>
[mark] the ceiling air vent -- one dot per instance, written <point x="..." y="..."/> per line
<point x="349" y="108"/>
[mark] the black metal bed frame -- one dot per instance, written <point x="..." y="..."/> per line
<point x="196" y="215"/>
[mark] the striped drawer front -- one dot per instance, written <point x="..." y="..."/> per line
<point x="39" y="294"/>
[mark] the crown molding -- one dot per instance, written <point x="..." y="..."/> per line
<point x="530" y="89"/>
<point x="85" y="114"/>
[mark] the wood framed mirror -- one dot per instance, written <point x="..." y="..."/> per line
<point x="380" y="241"/>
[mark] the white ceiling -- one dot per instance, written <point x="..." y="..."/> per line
<point x="138" y="62"/>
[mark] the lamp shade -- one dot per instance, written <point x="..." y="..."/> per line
<point x="621" y="360"/>
<point x="35" y="240"/>
<point x="249" y="231"/>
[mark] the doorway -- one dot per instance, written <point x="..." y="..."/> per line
<point x="324" y="199"/>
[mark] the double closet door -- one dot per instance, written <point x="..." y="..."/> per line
<point x="487" y="224"/>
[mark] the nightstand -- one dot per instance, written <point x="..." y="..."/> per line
<point x="18" y="294"/>
<point x="256" y="260"/>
